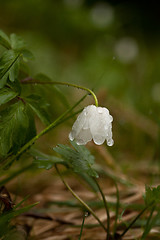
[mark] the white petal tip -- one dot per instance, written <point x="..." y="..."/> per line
<point x="71" y="136"/>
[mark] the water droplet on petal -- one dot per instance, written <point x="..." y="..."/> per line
<point x="71" y="136"/>
<point x="110" y="118"/>
<point x="98" y="139"/>
<point x="110" y="142"/>
<point x="84" y="111"/>
<point x="100" y="110"/>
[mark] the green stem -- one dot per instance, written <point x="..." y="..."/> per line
<point x="80" y="235"/>
<point x="80" y="200"/>
<point x="44" y="131"/>
<point x="134" y="220"/>
<point x="106" y="207"/>
<point x="32" y="81"/>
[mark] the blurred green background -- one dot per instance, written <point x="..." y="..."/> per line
<point x="109" y="46"/>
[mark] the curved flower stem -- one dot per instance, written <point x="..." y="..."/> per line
<point x="106" y="207"/>
<point x="44" y="131"/>
<point x="80" y="200"/>
<point x="32" y="81"/>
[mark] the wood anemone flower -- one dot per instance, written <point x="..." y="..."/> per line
<point x="93" y="123"/>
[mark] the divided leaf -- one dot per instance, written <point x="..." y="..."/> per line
<point x="4" y="40"/>
<point x="78" y="159"/>
<point x="8" y="67"/>
<point x="45" y="161"/>
<point x="7" y="94"/>
<point x="19" y="45"/>
<point x="16" y="127"/>
<point x="17" y="42"/>
<point x="39" y="106"/>
<point x="152" y="195"/>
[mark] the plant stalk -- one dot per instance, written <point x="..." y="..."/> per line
<point x="32" y="81"/>
<point x="79" y="199"/>
<point x="106" y="207"/>
<point x="134" y="220"/>
<point x="80" y="235"/>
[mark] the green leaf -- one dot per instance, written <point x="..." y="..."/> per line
<point x="7" y="94"/>
<point x="3" y="80"/>
<point x="45" y="161"/>
<point x="15" y="86"/>
<point x="7" y="68"/>
<point x="16" y="127"/>
<point x="27" y="55"/>
<point x="4" y="40"/>
<point x="13" y="72"/>
<point x="78" y="159"/>
<point x="19" y="45"/>
<point x="152" y="194"/>
<point x="17" y="42"/>
<point x="90" y="181"/>
<point x="39" y="106"/>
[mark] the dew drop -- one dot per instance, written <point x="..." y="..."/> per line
<point x="85" y="113"/>
<point x="80" y="142"/>
<point x="86" y="214"/>
<point x="71" y="136"/>
<point x="111" y="118"/>
<point x="100" y="110"/>
<point x="110" y="142"/>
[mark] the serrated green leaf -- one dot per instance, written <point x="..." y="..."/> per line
<point x="17" y="42"/>
<point x="4" y="40"/>
<point x="7" y="94"/>
<point x="152" y="194"/>
<point x="7" y="68"/>
<point x="13" y="72"/>
<point x="39" y="106"/>
<point x="24" y="68"/>
<point x="79" y="159"/>
<point x="45" y="161"/>
<point x="27" y="55"/>
<point x="3" y="80"/>
<point x="16" y="127"/>
<point x="19" y="45"/>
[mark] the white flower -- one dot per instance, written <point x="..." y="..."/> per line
<point x="93" y="123"/>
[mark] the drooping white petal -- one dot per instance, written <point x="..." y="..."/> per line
<point x="93" y="123"/>
<point x="78" y="125"/>
<point x="83" y="137"/>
